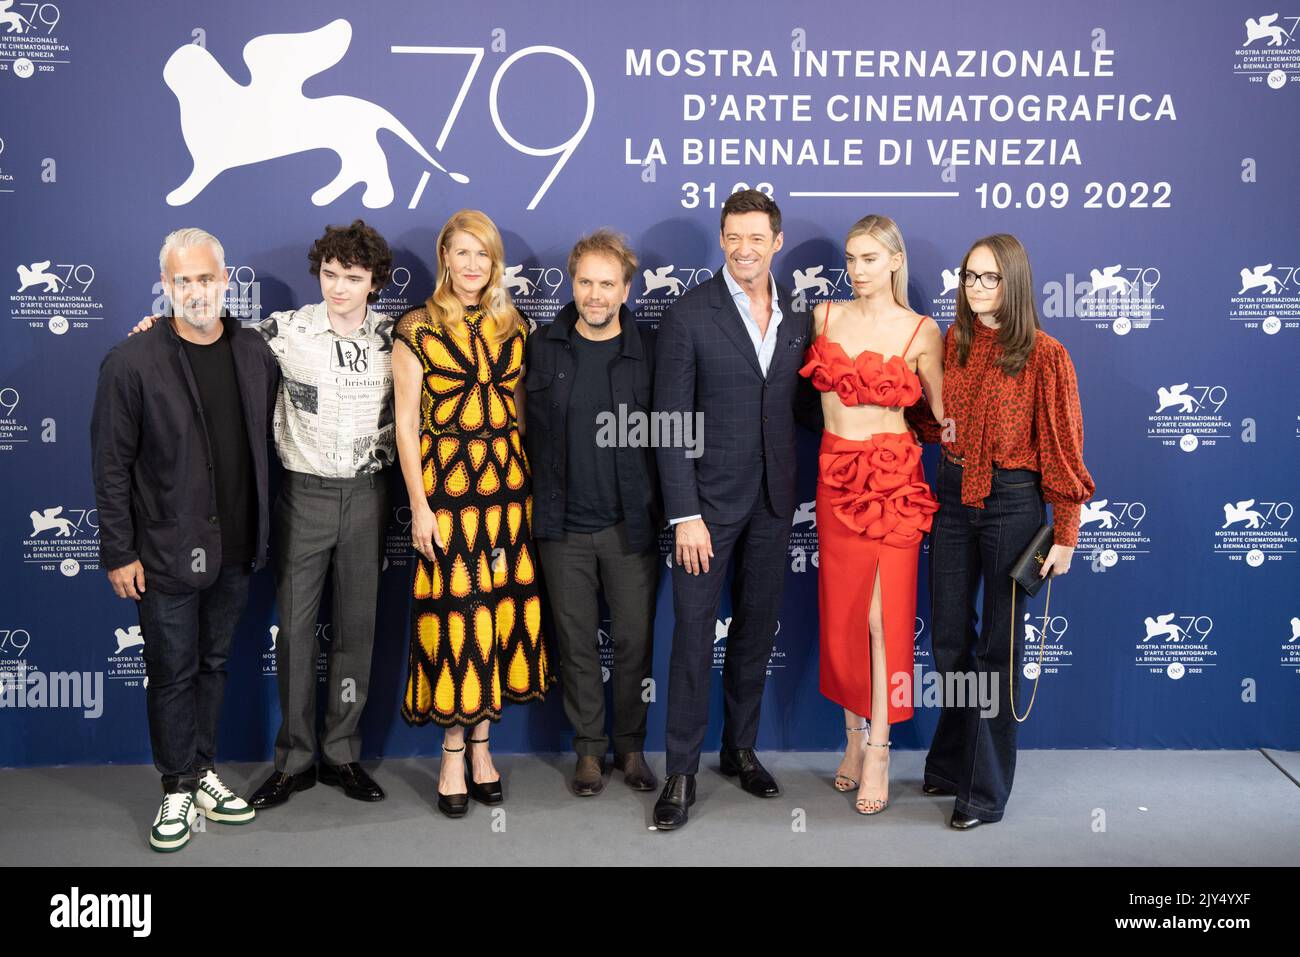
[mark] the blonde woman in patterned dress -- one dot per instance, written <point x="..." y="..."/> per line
<point x="476" y="636"/>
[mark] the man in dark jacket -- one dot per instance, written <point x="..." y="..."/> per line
<point x="179" y="449"/>
<point x="596" y="512"/>
<point x="729" y="354"/>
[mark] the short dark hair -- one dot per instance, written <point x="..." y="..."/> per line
<point x="751" y="201"/>
<point x="357" y="245"/>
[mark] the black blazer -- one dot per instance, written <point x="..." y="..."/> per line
<point x="154" y="485"/>
<point x="706" y="363"/>
<point x="548" y="381"/>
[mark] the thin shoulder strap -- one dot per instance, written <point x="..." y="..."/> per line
<point x="826" y="322"/>
<point x="909" y="341"/>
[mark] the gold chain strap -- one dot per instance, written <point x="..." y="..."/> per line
<point x="1043" y="641"/>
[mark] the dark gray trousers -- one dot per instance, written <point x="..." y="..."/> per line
<point x="323" y="525"/>
<point x="575" y="568"/>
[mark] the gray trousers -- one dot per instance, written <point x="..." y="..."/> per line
<point x="323" y="525"/>
<point x="575" y="567"/>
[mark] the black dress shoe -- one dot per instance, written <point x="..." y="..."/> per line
<point x="936" y="789"/>
<point x="490" y="791"/>
<point x="677" y="796"/>
<point x="353" y="779"/>
<point x="753" y="776"/>
<point x="964" y="822"/>
<point x="280" y="786"/>
<point x="636" y="773"/>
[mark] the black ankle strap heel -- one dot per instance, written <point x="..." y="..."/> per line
<point x="487" y="793"/>
<point x="453" y="805"/>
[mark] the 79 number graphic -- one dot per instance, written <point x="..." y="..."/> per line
<point x="562" y="151"/>
<point x="34" y="16"/>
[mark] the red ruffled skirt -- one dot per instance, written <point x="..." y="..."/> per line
<point x="873" y="507"/>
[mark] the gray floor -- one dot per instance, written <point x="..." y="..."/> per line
<point x="1069" y="807"/>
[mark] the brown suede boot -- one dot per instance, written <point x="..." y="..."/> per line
<point x="588" y="776"/>
<point x="636" y="772"/>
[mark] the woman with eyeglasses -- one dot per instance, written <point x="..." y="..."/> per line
<point x="1011" y="441"/>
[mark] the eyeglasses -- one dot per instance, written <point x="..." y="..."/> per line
<point x="989" y="280"/>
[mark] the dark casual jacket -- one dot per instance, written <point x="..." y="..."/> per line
<point x="548" y="379"/>
<point x="706" y="364"/>
<point x="154" y="484"/>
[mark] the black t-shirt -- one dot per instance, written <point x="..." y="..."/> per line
<point x="591" y="499"/>
<point x="232" y="460"/>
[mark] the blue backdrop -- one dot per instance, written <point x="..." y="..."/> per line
<point x="1145" y="154"/>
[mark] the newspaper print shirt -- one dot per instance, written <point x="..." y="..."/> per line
<point x="334" y="415"/>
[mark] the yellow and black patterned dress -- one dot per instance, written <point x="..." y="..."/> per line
<point x="476" y="634"/>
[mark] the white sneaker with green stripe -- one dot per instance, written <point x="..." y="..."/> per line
<point x="219" y="803"/>
<point x="171" y="825"/>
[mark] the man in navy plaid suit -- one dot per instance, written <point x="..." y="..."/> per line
<point x="727" y="363"/>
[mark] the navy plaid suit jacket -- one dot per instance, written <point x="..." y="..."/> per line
<point x="706" y="363"/>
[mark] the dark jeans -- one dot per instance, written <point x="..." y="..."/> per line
<point x="973" y="754"/>
<point x="186" y="642"/>
<point x="575" y="567"/>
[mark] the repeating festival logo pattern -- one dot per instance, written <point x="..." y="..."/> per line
<point x="1175" y="645"/>
<point x="1268" y="298"/>
<point x="662" y="285"/>
<point x="1255" y="531"/>
<point x="1111" y="531"/>
<point x="1266" y="51"/>
<point x="58" y="296"/>
<point x="63" y="540"/>
<point x="1189" y="416"/>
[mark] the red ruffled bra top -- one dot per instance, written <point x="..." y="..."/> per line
<point x="868" y="379"/>
<point x="875" y="486"/>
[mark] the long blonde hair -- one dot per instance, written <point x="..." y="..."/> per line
<point x="500" y="317"/>
<point x="886" y="232"/>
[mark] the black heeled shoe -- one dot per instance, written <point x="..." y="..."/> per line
<point x="453" y="805"/>
<point x="487" y="793"/>
<point x="964" y="822"/>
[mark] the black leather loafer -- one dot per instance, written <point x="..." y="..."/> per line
<point x="753" y="776"/>
<point x="964" y="822"/>
<point x="677" y="796"/>
<point x="279" y="787"/>
<point x="353" y="779"/>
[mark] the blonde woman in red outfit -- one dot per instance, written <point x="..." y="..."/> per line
<point x="870" y="358"/>
<point x="1012" y="443"/>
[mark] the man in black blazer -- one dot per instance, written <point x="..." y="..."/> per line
<point x="728" y="357"/>
<point x="179" y="448"/>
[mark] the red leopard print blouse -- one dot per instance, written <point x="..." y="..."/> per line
<point x="1032" y="421"/>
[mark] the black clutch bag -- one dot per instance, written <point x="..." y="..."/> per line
<point x="1025" y="572"/>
